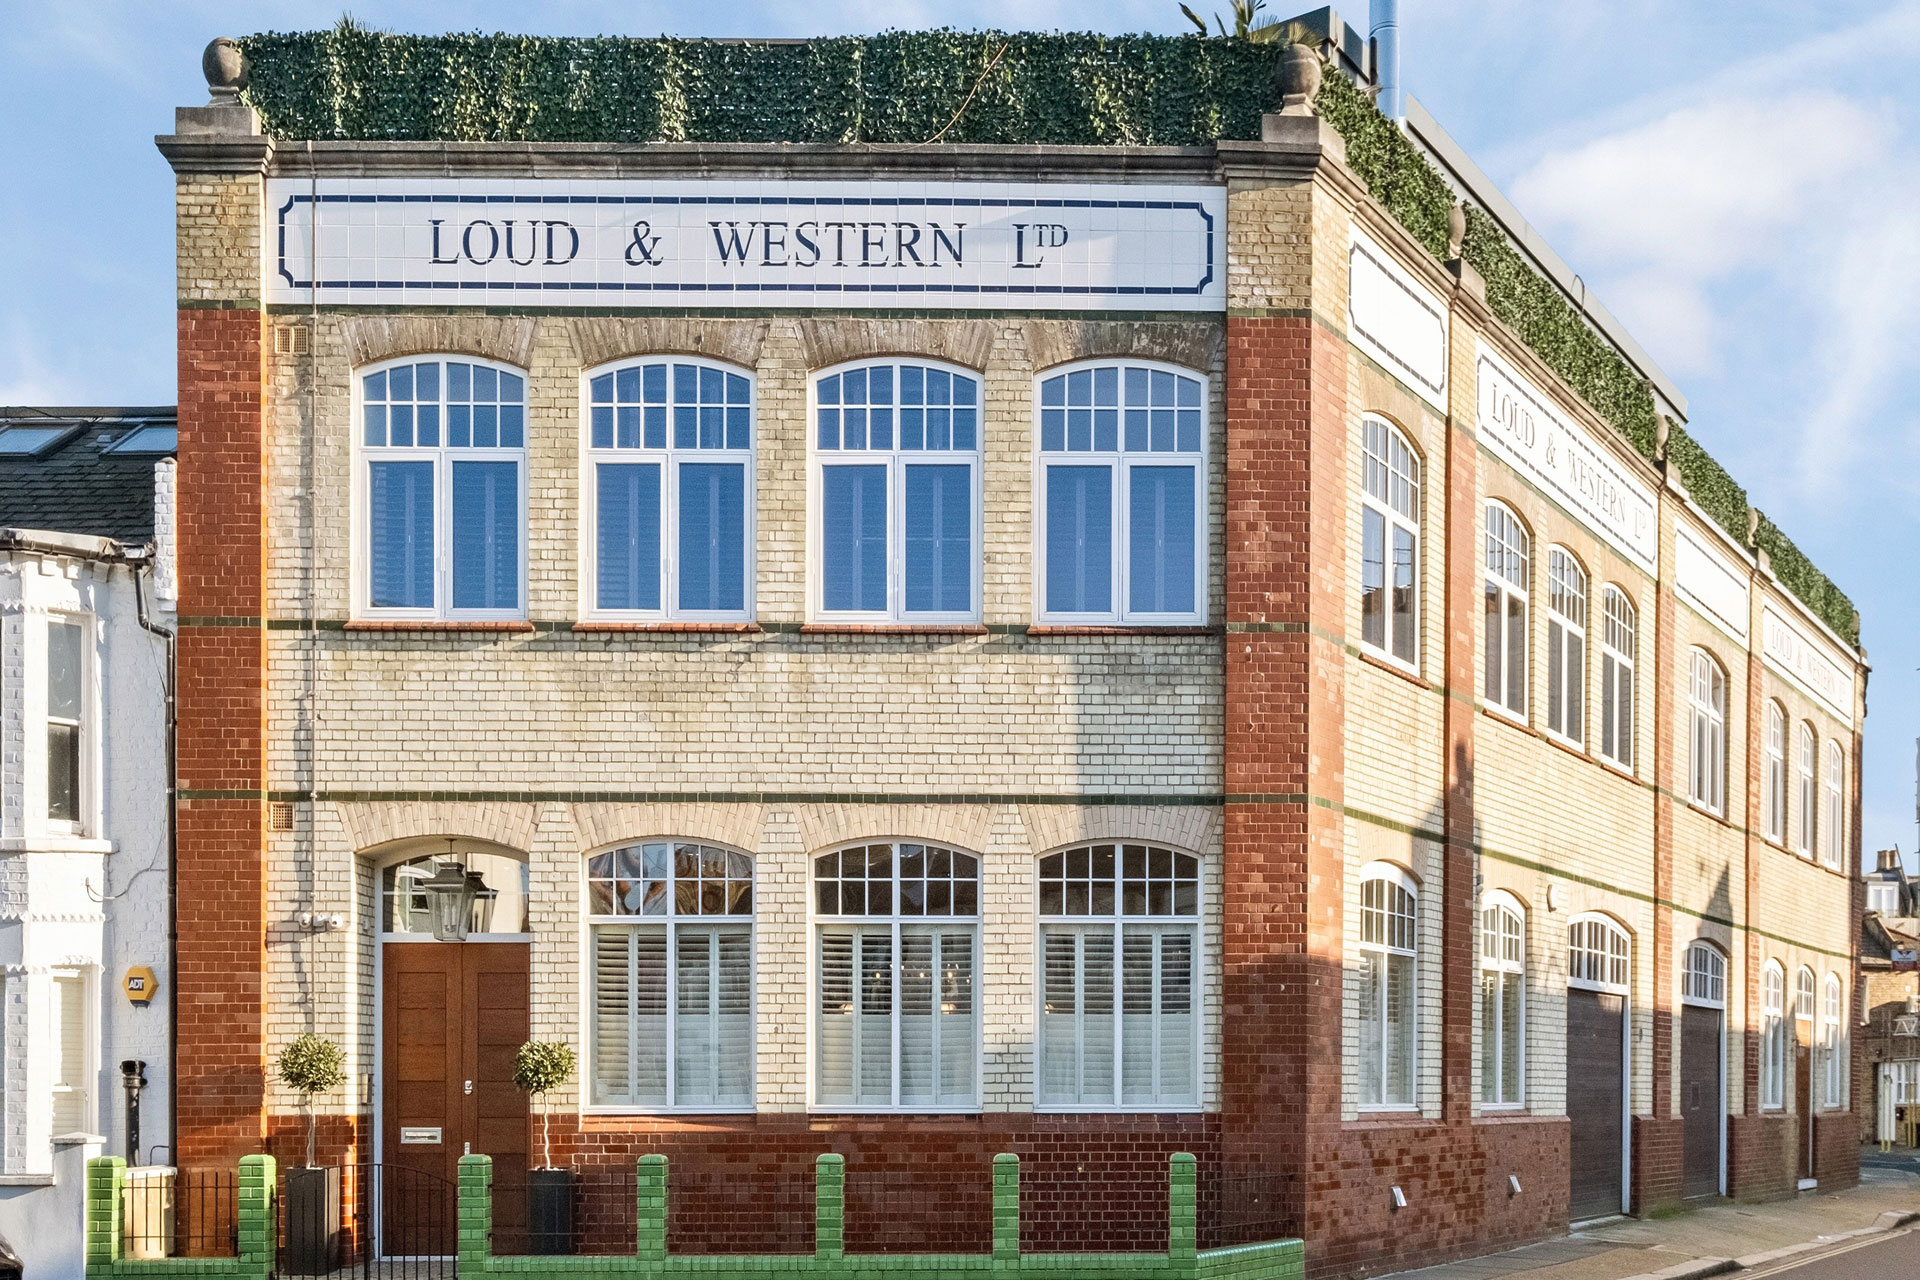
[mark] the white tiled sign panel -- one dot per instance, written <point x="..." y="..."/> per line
<point x="1795" y="652"/>
<point x="1519" y="423"/>
<point x="614" y="243"/>
<point x="1710" y="583"/>
<point x="1396" y="320"/>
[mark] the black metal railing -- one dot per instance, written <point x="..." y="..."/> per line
<point x="186" y="1213"/>
<point x="390" y="1221"/>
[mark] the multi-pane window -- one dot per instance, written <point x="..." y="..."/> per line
<point x="1773" y="1036"/>
<point x="1803" y="1009"/>
<point x="443" y="444"/>
<point x="71" y="1045"/>
<point x="1833" y="838"/>
<point x="1707" y="714"/>
<point x="1389" y="930"/>
<point x="1120" y="991"/>
<point x="1803" y="791"/>
<point x="1617" y="652"/>
<point x="1503" y="978"/>
<point x="1597" y="955"/>
<point x="1832" y="1060"/>
<point x="1703" y="978"/>
<point x="1504" y="636"/>
<point x="1884" y="898"/>
<point x="670" y="485"/>
<point x="1773" y="779"/>
<point x="66" y="705"/>
<point x="1123" y="488"/>
<point x="898" y="937"/>
<point x="1566" y="646"/>
<point x="1389" y="543"/>
<point x="897" y="450"/>
<point x="672" y="936"/>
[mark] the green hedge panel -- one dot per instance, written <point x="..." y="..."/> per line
<point x="910" y="87"/>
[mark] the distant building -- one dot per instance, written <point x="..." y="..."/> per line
<point x="1886" y="1066"/>
<point x="86" y="553"/>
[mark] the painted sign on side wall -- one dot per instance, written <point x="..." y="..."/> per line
<point x="1794" y="652"/>
<point x="1710" y="583"/>
<point x="1397" y="321"/>
<point x="1520" y="424"/>
<point x="694" y="243"/>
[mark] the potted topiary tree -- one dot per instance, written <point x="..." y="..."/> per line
<point x="310" y="1066"/>
<point x="540" y="1067"/>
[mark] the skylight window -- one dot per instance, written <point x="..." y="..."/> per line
<point x="30" y="440"/>
<point x="151" y="439"/>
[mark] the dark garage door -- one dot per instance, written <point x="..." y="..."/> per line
<point x="1596" y="1100"/>
<point x="1700" y="1098"/>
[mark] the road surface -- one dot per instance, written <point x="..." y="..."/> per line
<point x="1893" y="1258"/>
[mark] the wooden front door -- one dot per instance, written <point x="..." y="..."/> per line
<point x="1702" y="1093"/>
<point x="1596" y="1102"/>
<point x="1803" y="1090"/>
<point x="454" y="1014"/>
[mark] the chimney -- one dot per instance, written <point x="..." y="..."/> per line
<point x="1384" y="33"/>
<point x="1889" y="859"/>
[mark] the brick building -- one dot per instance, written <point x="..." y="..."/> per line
<point x="1886" y="1059"/>
<point x="1089" y="651"/>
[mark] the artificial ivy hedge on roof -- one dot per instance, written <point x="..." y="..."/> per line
<point x="913" y="86"/>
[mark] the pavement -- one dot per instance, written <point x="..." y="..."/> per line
<point x="1781" y="1237"/>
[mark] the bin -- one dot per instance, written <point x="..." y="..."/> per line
<point x="147" y="1231"/>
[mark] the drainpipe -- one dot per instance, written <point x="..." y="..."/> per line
<point x="1385" y="35"/>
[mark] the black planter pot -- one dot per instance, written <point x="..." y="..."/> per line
<point x="550" y="1211"/>
<point x="313" y="1221"/>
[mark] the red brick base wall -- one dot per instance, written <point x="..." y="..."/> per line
<point x="1659" y="1159"/>
<point x="1760" y="1157"/>
<point x="1836" y="1150"/>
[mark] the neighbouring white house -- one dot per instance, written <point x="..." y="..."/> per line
<point x="87" y="590"/>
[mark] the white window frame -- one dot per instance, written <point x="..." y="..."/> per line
<point x="86" y="977"/>
<point x="1568" y="595"/>
<point x="1832" y="1054"/>
<point x="1155" y="923"/>
<point x="1121" y="460"/>
<point x="1507" y="537"/>
<point x="1619" y="701"/>
<point x="442" y="456"/>
<point x="1773" y="782"/>
<point x="1390" y="493"/>
<point x="1833" y="840"/>
<point x="1884" y="889"/>
<point x="673" y="923"/>
<point x="1599" y="955"/>
<point x="1806" y="792"/>
<point x="818" y="923"/>
<point x="1393" y="877"/>
<point x="1773" y="1037"/>
<point x="1707" y="736"/>
<point x="87" y="782"/>
<point x="1805" y="997"/>
<point x="895" y="461"/>
<point x="1497" y="956"/>
<point x="1703" y="975"/>
<point x="670" y="459"/>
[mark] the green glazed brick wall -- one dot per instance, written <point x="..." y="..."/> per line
<point x="258" y="1238"/>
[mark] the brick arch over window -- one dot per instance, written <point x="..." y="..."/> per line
<point x="508" y="340"/>
<point x="1053" y="342"/>
<point x="371" y="824"/>
<point x="963" y="826"/>
<point x="601" y="340"/>
<point x="832" y="340"/>
<point x="1054" y="826"/>
<point x="604" y="824"/>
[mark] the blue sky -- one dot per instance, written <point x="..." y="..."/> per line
<point x="1736" y="179"/>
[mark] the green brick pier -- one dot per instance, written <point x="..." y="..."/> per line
<point x="106" y="1260"/>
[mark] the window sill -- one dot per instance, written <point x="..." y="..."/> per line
<point x="660" y="1113"/>
<point x="1407" y="1115"/>
<point x="893" y="629"/>
<point x="929" y="1113"/>
<point x="1508" y="1113"/>
<point x="1394" y="668"/>
<point x="1166" y="1109"/>
<point x="438" y="625"/>
<point x="1123" y="629"/>
<point x="1707" y="813"/>
<point x="1495" y="711"/>
<point x="681" y="628"/>
<point x="27" y="1180"/>
<point x="55" y="844"/>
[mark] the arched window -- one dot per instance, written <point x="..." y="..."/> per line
<point x="671" y="925"/>
<point x="1503" y="1001"/>
<point x="1773" y="1036"/>
<point x="1803" y="995"/>
<point x="1504" y="635"/>
<point x="1803" y="791"/>
<point x="1389" y="935"/>
<point x="499" y="906"/>
<point x="1833" y="840"/>
<point x="669" y="485"/>
<point x="898" y="934"/>
<point x="1703" y="976"/>
<point x="1119" y="935"/>
<point x="1833" y="1060"/>
<point x="1566" y="647"/>
<point x="1123" y="463"/>
<point x="1389" y="543"/>
<point x="1617" y="652"/>
<point x="441" y="489"/>
<point x="1598" y="955"/>
<point x="1773" y="785"/>
<point x="1707" y="707"/>
<point x="897" y="492"/>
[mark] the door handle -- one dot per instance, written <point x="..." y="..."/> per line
<point x="469" y="1086"/>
